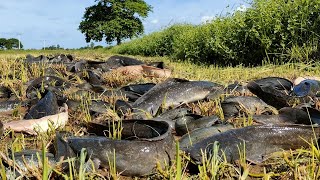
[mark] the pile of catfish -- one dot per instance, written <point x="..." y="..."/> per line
<point x="284" y="113"/>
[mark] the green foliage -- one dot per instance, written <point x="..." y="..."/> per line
<point x="11" y="43"/>
<point x="2" y="43"/>
<point x="114" y="20"/>
<point x="155" y="44"/>
<point x="272" y="30"/>
<point x="53" y="47"/>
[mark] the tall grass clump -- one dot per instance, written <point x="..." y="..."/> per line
<point x="269" y="30"/>
<point x="154" y="44"/>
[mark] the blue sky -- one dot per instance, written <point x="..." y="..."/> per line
<point x="56" y="22"/>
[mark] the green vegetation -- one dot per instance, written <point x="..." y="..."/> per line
<point x="114" y="20"/>
<point x="11" y="43"/>
<point x="270" y="30"/>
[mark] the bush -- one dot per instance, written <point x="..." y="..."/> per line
<point x="155" y="44"/>
<point x="270" y="29"/>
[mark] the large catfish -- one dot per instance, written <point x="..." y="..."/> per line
<point x="259" y="141"/>
<point x="174" y="92"/>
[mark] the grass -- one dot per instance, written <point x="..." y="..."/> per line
<point x="274" y="30"/>
<point x="298" y="164"/>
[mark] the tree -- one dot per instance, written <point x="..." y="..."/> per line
<point x="10" y="43"/>
<point x="13" y="43"/>
<point x="3" y="42"/>
<point x="114" y="20"/>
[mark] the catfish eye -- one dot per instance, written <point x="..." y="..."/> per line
<point x="306" y="83"/>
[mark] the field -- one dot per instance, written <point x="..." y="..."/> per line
<point x="298" y="164"/>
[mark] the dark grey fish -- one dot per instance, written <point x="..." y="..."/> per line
<point x="313" y="115"/>
<point x="39" y="59"/>
<point x="260" y="141"/>
<point x="181" y="123"/>
<point x="73" y="104"/>
<point x="191" y="122"/>
<point x="50" y="72"/>
<point x="51" y="83"/>
<point x="76" y="67"/>
<point x="142" y="145"/>
<point x="5" y="92"/>
<point x="46" y="106"/>
<point x="193" y="137"/>
<point x="85" y="86"/>
<point x="28" y="158"/>
<point x="237" y="88"/>
<point x="138" y="88"/>
<point x="61" y="58"/>
<point x="308" y="87"/>
<point x="98" y="106"/>
<point x="94" y="106"/>
<point x="132" y="96"/>
<point x="287" y="115"/>
<point x="233" y="105"/>
<point x="272" y="90"/>
<point x="122" y="107"/>
<point x="123" y="61"/>
<point x="156" y="64"/>
<point x="175" y="113"/>
<point x="172" y="92"/>
<point x="94" y="77"/>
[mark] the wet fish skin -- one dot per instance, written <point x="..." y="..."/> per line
<point x="48" y="105"/>
<point x="191" y="122"/>
<point x="173" y="92"/>
<point x="32" y="59"/>
<point x="232" y="105"/>
<point x="136" y="153"/>
<point x="288" y="115"/>
<point x="5" y="92"/>
<point x="260" y="141"/>
<point x="138" y="88"/>
<point x="98" y="106"/>
<point x="307" y="87"/>
<point x="123" y="61"/>
<point x="272" y="90"/>
<point x="95" y="106"/>
<point x="182" y="123"/>
<point x="31" y="158"/>
<point x="122" y="107"/>
<point x="51" y="83"/>
<point x="189" y="139"/>
<point x="174" y="113"/>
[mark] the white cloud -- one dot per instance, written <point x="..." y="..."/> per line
<point x="155" y="21"/>
<point x="206" y="19"/>
<point x="242" y="8"/>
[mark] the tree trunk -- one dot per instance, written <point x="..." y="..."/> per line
<point x="118" y="41"/>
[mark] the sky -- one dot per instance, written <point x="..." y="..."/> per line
<point x="39" y="23"/>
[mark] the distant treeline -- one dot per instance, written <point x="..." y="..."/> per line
<point x="10" y="43"/>
<point x="271" y="30"/>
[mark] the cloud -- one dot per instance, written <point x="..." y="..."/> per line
<point x="241" y="8"/>
<point x="155" y="21"/>
<point x="206" y="19"/>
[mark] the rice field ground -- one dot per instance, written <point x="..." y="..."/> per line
<point x="298" y="164"/>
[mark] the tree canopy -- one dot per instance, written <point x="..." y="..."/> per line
<point x="114" y="20"/>
<point x="11" y="43"/>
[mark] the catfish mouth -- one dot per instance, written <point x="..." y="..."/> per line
<point x="144" y="130"/>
